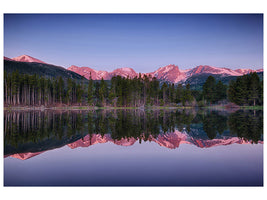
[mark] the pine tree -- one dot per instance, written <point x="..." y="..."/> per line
<point x="246" y="90"/>
<point x="163" y="92"/>
<point x="79" y="93"/>
<point x="102" y="92"/>
<point x="178" y="93"/>
<point x="97" y="85"/>
<point x="90" y="91"/>
<point x="187" y="96"/>
<point x="61" y="89"/>
<point x="69" y="94"/>
<point x="254" y="89"/>
<point x="209" y="89"/>
<point x="55" y="91"/>
<point x="220" y="91"/>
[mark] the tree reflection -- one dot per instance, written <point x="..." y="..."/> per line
<point x="247" y="125"/>
<point x="33" y="131"/>
<point x="213" y="123"/>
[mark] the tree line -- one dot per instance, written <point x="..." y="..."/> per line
<point x="33" y="90"/>
<point x="246" y="90"/>
<point x="136" y="92"/>
<point x="25" y="89"/>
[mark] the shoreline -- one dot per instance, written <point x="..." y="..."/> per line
<point x="215" y="107"/>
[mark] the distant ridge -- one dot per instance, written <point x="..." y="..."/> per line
<point x="26" y="58"/>
<point x="169" y="73"/>
<point x="41" y="69"/>
<point x="6" y="58"/>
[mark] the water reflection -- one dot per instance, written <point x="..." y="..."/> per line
<point x="247" y="124"/>
<point x="32" y="132"/>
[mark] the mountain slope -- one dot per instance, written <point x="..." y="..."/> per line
<point x="6" y="58"/>
<point x="197" y="81"/>
<point x="98" y="75"/>
<point x="169" y="73"/>
<point x="213" y="70"/>
<point x="87" y="72"/>
<point x="41" y="69"/>
<point x="26" y="58"/>
<point x="124" y="72"/>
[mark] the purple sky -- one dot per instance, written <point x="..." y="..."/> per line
<point x="144" y="42"/>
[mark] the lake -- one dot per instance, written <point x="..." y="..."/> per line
<point x="133" y="148"/>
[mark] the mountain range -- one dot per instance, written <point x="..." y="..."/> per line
<point x="28" y="65"/>
<point x="170" y="73"/>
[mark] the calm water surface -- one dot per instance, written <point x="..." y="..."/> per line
<point x="133" y="148"/>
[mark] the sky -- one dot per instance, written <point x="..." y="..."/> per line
<point x="143" y="42"/>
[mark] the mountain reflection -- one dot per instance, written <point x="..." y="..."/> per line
<point x="29" y="133"/>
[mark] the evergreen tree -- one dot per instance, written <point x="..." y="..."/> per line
<point x="254" y="89"/>
<point x="34" y="90"/>
<point x="97" y="85"/>
<point x="209" y="90"/>
<point x="102" y="92"/>
<point x="163" y="93"/>
<point x="220" y="91"/>
<point x="61" y="89"/>
<point x="79" y="93"/>
<point x="179" y="93"/>
<point x="90" y="91"/>
<point x="69" y="94"/>
<point x="246" y="90"/>
<point x="187" y="96"/>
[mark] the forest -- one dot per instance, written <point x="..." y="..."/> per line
<point x="246" y="90"/>
<point x="34" y="90"/>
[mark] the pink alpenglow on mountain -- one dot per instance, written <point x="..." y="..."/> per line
<point x="6" y="58"/>
<point x="169" y="73"/>
<point x="244" y="71"/>
<point x="98" y="75"/>
<point x="124" y="72"/>
<point x="205" y="69"/>
<point x="26" y="58"/>
<point x="259" y="70"/>
<point x="247" y="71"/>
<point x="87" y="72"/>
